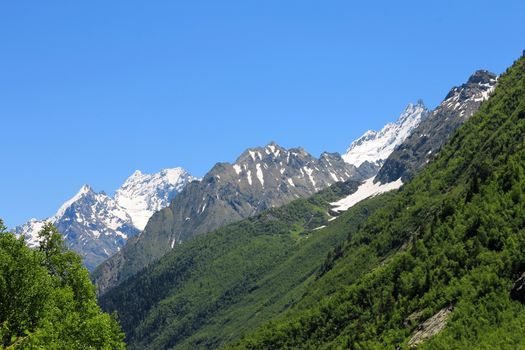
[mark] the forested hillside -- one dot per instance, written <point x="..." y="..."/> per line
<point x="47" y="300"/>
<point x="451" y="244"/>
<point x="213" y="289"/>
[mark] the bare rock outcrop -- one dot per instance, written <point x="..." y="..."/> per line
<point x="430" y="327"/>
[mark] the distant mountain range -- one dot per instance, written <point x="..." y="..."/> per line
<point x="97" y="226"/>
<point x="261" y="178"/>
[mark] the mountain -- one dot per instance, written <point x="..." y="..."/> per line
<point x="141" y="195"/>
<point x="440" y="265"/>
<point x="233" y="279"/>
<point x="261" y="178"/>
<point x="374" y="147"/>
<point x="420" y="141"/>
<point x="92" y="224"/>
<point x="97" y="226"/>
<point x="439" y="254"/>
<point x="430" y="135"/>
<point x="217" y="286"/>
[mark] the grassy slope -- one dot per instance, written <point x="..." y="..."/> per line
<point x="453" y="236"/>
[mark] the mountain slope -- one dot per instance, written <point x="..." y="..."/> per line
<point x="200" y="276"/>
<point x="261" y="178"/>
<point x="212" y="289"/>
<point x="97" y="226"/>
<point x="200" y="296"/>
<point x="449" y="244"/>
<point x="427" y="138"/>
<point x="374" y="147"/>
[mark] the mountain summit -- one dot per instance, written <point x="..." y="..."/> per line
<point x="97" y="226"/>
<point x="374" y="147"/>
<point x="141" y="195"/>
<point x="426" y="140"/>
<point x="260" y="178"/>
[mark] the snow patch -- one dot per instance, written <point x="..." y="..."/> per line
<point x="260" y="174"/>
<point x="367" y="189"/>
<point x="309" y="173"/>
<point x="237" y="168"/>
<point x="249" y="176"/>
<point x="334" y="177"/>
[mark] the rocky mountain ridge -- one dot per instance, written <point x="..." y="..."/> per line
<point x="427" y="138"/>
<point x="260" y="178"/>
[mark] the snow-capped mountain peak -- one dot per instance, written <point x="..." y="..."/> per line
<point x="97" y="225"/>
<point x="84" y="190"/>
<point x="136" y="173"/>
<point x="375" y="146"/>
<point x="425" y="141"/>
<point x="143" y="194"/>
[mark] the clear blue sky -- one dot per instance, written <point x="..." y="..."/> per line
<point x="92" y="90"/>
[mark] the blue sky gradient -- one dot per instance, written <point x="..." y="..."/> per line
<point x="91" y="91"/>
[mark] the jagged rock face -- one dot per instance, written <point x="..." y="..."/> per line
<point x="374" y="147"/>
<point x="430" y="327"/>
<point x="518" y="290"/>
<point x="427" y="139"/>
<point x="260" y="178"/>
<point x="97" y="226"/>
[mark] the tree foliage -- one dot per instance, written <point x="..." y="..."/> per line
<point x="47" y="300"/>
